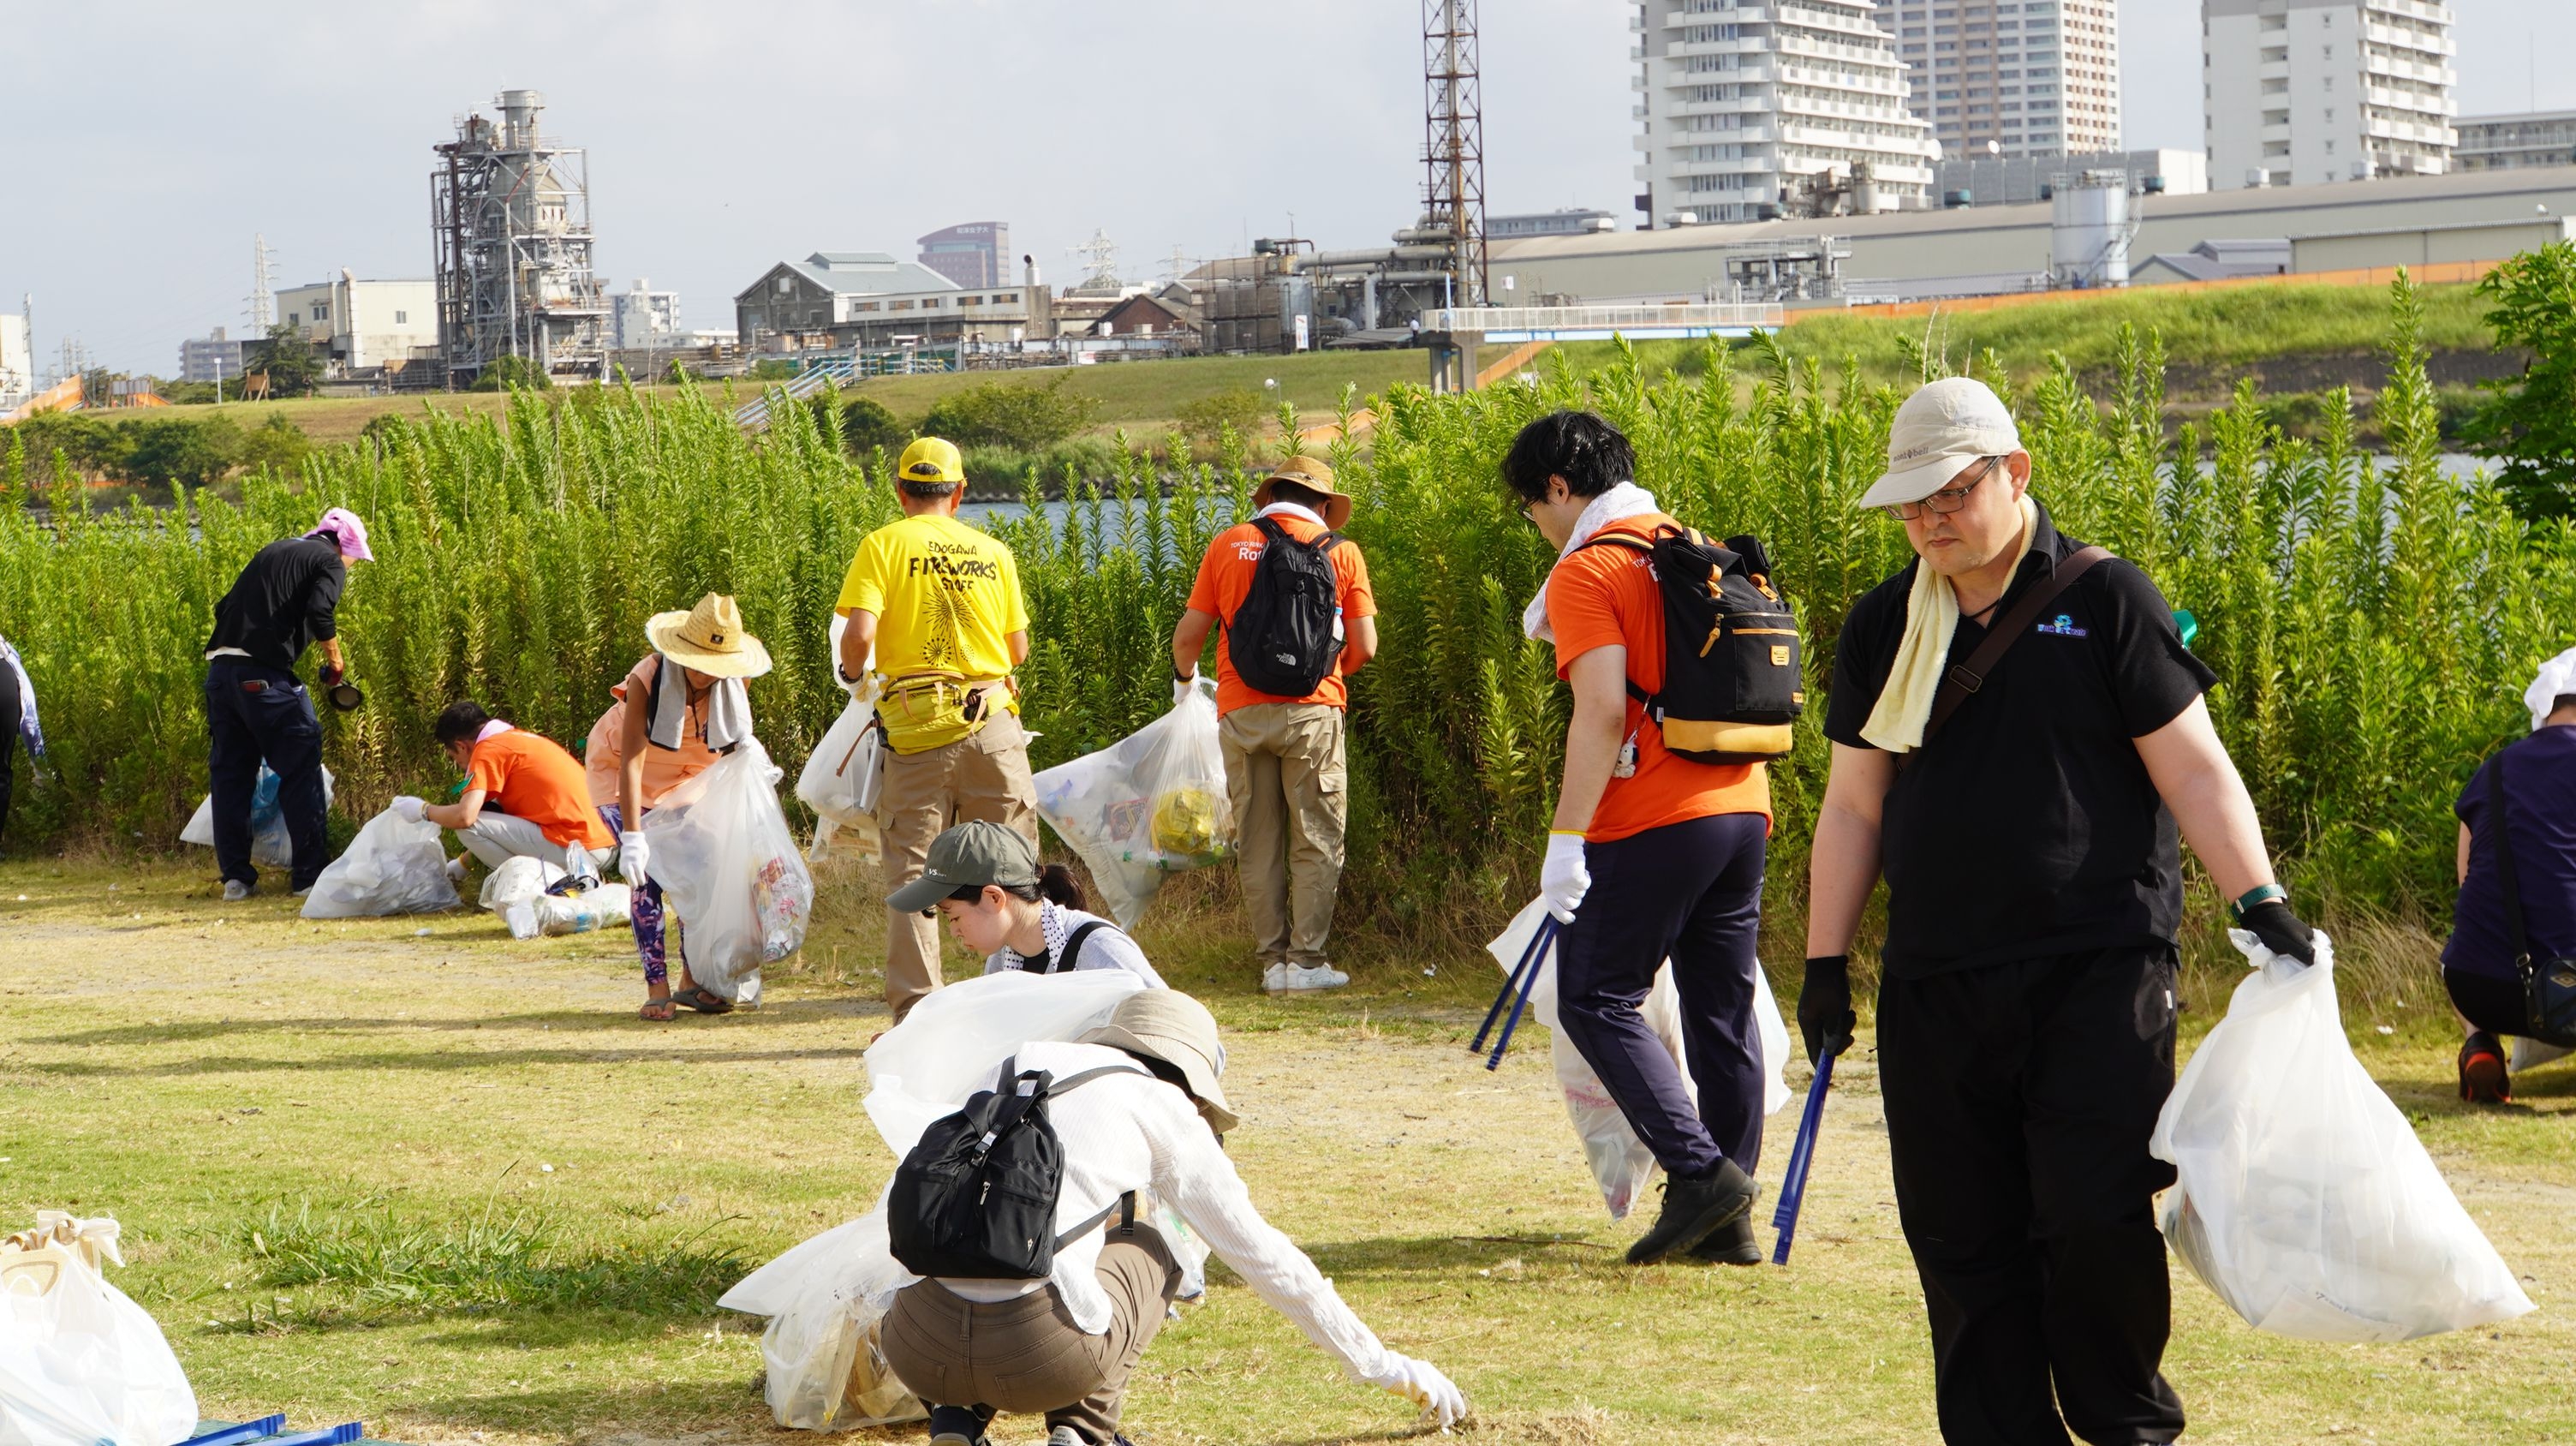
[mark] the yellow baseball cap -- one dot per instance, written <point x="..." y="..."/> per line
<point x="932" y="460"/>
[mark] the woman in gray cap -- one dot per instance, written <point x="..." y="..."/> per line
<point x="1065" y="1346"/>
<point x="986" y="880"/>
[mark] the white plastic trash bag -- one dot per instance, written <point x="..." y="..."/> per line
<point x="2304" y="1199"/>
<point x="393" y="866"/>
<point x="519" y="880"/>
<point x="1150" y="804"/>
<point x="1620" y="1161"/>
<point x="80" y="1364"/>
<point x="826" y="1299"/>
<point x="842" y="776"/>
<point x="270" y="845"/>
<point x="953" y="1042"/>
<point x="728" y="866"/>
<point x="602" y="906"/>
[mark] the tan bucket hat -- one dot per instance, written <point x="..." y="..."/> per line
<point x="1170" y="1026"/>
<point x="1314" y="476"/>
<point x="709" y="638"/>
<point x="1940" y="432"/>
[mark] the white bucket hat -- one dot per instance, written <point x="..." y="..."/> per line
<point x="1940" y="432"/>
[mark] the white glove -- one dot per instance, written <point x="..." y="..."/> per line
<point x="1564" y="879"/>
<point x="1422" y="1383"/>
<point x="1182" y="688"/>
<point x="408" y="808"/>
<point x="630" y="858"/>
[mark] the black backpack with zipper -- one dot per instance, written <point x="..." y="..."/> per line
<point x="976" y="1198"/>
<point x="1283" y="640"/>
<point x="1733" y="676"/>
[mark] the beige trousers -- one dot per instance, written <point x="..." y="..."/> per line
<point x="986" y="777"/>
<point x="1286" y="774"/>
<point x="1027" y="1355"/>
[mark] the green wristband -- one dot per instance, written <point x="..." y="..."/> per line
<point x="2253" y="898"/>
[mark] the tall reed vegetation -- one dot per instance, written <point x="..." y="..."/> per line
<point x="2371" y="619"/>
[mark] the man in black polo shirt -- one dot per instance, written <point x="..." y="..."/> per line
<point x="285" y="600"/>
<point x="2026" y="1016"/>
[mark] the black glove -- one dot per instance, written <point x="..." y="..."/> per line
<point x="2272" y="922"/>
<point x="1825" y="1015"/>
<point x="332" y="673"/>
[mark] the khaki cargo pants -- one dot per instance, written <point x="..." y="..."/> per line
<point x="1027" y="1355"/>
<point x="984" y="776"/>
<point x="1286" y="774"/>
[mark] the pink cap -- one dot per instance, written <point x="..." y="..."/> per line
<point x="343" y="527"/>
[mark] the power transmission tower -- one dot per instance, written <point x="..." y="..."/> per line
<point x="263" y="291"/>
<point x="1453" y="113"/>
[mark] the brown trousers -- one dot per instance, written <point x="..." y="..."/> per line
<point x="1027" y="1355"/>
<point x="986" y="777"/>
<point x="1287" y="776"/>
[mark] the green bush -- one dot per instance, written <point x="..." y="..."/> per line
<point x="2372" y="622"/>
<point x="509" y="372"/>
<point x="867" y="426"/>
<point x="1016" y="415"/>
<point x="2530" y="422"/>
<point x="1206" y="420"/>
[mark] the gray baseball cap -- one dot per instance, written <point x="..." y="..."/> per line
<point x="969" y="856"/>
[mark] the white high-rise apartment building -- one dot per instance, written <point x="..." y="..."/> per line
<point x="17" y="364"/>
<point x="2012" y="78"/>
<point x="2299" y="92"/>
<point x="1741" y="100"/>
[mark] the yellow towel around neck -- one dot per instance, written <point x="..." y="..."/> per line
<point x="1931" y="617"/>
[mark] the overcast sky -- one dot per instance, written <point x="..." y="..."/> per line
<point x="149" y="142"/>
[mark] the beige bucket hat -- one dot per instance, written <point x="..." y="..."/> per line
<point x="1314" y="476"/>
<point x="1170" y="1026"/>
<point x="1940" y="432"/>
<point x="709" y="638"/>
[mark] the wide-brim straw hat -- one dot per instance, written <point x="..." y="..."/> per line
<point x="1314" y="476"/>
<point x="1170" y="1026"/>
<point x="710" y="638"/>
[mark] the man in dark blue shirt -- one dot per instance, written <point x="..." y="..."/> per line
<point x="2479" y="965"/>
<point x="257" y="711"/>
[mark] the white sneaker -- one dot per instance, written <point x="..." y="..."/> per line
<point x="1284" y="977"/>
<point x="235" y="891"/>
<point x="456" y="869"/>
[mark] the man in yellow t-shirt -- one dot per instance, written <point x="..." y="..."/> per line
<point x="935" y="610"/>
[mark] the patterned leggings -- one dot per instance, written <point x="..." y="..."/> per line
<point x="645" y="911"/>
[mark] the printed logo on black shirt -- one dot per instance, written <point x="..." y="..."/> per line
<point x="2064" y="627"/>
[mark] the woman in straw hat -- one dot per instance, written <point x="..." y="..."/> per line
<point x="681" y="707"/>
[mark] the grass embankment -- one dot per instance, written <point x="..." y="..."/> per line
<point x="527" y="1200"/>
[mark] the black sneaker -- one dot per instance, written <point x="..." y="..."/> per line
<point x="1731" y="1244"/>
<point x="1693" y="1209"/>
<point x="958" y="1426"/>
<point x="2483" y="1080"/>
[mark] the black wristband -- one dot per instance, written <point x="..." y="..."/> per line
<point x="1842" y="960"/>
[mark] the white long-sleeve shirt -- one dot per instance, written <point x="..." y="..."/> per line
<point x="1132" y="1131"/>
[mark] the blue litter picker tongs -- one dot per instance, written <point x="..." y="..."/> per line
<point x="1802" y="1154"/>
<point x="1516" y="990"/>
<point x="263" y="1432"/>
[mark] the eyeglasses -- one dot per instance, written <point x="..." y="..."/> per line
<point x="1945" y="501"/>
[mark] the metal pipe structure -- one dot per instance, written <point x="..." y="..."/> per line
<point x="511" y="217"/>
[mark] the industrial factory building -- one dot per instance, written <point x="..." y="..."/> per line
<point x="2414" y="221"/>
<point x="359" y="325"/>
<point x="869" y="301"/>
<point x="510" y="216"/>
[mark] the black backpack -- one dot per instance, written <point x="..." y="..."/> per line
<point x="1282" y="639"/>
<point x="1733" y="680"/>
<point x="976" y="1198"/>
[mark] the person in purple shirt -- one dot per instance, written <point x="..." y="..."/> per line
<point x="2478" y="965"/>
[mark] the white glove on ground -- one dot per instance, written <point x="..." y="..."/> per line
<point x="630" y="858"/>
<point x="408" y="808"/>
<point x="1422" y="1383"/>
<point x="1182" y="688"/>
<point x="1564" y="879"/>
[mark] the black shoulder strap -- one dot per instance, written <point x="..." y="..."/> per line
<point x="1270" y="528"/>
<point x="1124" y="1207"/>
<point x="1968" y="677"/>
<point x="1063" y="960"/>
<point x="2505" y="879"/>
<point x="1643" y="547"/>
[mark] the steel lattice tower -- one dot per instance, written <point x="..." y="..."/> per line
<point x="510" y="214"/>
<point x="1453" y="195"/>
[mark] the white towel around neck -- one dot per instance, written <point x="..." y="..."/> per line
<point x="728" y="710"/>
<point x="1616" y="504"/>
<point x="1931" y="617"/>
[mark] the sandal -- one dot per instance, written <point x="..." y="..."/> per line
<point x="700" y="1000"/>
<point x="647" y="1015"/>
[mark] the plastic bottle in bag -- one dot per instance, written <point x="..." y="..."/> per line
<point x="1150" y="804"/>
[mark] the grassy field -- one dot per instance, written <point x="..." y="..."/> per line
<point x="538" y="1196"/>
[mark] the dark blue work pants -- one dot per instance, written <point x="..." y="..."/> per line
<point x="1691" y="892"/>
<point x="254" y="714"/>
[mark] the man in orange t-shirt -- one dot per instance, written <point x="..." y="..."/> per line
<point x="524" y="795"/>
<point x="1285" y="766"/>
<point x="1652" y="856"/>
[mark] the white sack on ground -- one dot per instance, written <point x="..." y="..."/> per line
<point x="1620" y="1161"/>
<point x="730" y="869"/>
<point x="1151" y="804"/>
<point x="601" y="906"/>
<point x="519" y="880"/>
<point x="80" y="1364"/>
<point x="2304" y="1199"/>
<point x="271" y="847"/>
<point x="826" y="1299"/>
<point x="393" y="866"/>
